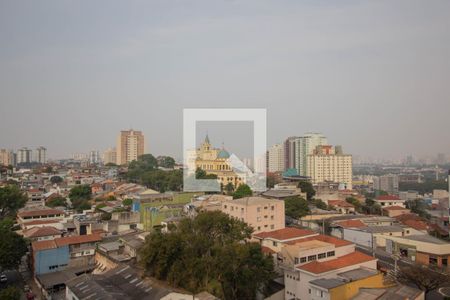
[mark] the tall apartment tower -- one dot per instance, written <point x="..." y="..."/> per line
<point x="330" y="164"/>
<point x="7" y="157"/>
<point x="24" y="155"/>
<point x="276" y="158"/>
<point x="289" y="152"/>
<point x="130" y="145"/>
<point x="110" y="156"/>
<point x="41" y="155"/>
<point x="304" y="146"/>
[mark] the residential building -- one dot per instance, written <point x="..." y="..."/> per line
<point x="42" y="233"/>
<point x="389" y="200"/>
<point x="60" y="253"/>
<point x="110" y="156"/>
<point x="276" y="158"/>
<point x="94" y="157"/>
<point x="342" y="206"/>
<point x="40" y="216"/>
<point x="41" y="155"/>
<point x="7" y="157"/>
<point x="289" y="153"/>
<point x="423" y="248"/>
<point x="24" y="156"/>
<point x="262" y="214"/>
<point x="329" y="164"/>
<point x="130" y="145"/>
<point x="35" y="196"/>
<point x="304" y="146"/>
<point x="394" y="211"/>
<point x="387" y="183"/>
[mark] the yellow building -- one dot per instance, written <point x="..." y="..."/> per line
<point x="216" y="161"/>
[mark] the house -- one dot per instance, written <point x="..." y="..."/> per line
<point x="395" y="210"/>
<point x="41" y="213"/>
<point x="342" y="206"/>
<point x="57" y="254"/>
<point x="389" y="200"/>
<point x="423" y="249"/>
<point x="274" y="240"/>
<point x="263" y="214"/>
<point x="35" y="197"/>
<point x="42" y="233"/>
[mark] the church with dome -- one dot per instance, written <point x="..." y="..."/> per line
<point x="215" y="161"/>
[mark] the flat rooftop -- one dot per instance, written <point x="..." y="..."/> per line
<point x="426" y="238"/>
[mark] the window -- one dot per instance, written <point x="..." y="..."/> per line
<point x="312" y="257"/>
<point x="331" y="253"/>
<point x="296" y="260"/>
<point x="274" y="244"/>
<point x="271" y="217"/>
<point x="444" y="261"/>
<point x="322" y="255"/>
<point x="258" y="209"/>
<point x="272" y="207"/>
<point x="309" y="291"/>
<point x="272" y="226"/>
<point x="303" y="259"/>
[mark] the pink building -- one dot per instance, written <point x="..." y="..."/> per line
<point x="262" y="214"/>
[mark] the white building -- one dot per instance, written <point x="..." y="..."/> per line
<point x="41" y="155"/>
<point x="24" y="155"/>
<point x="110" y="156"/>
<point x="276" y="158"/>
<point x="328" y="163"/>
<point x="304" y="146"/>
<point x="387" y="183"/>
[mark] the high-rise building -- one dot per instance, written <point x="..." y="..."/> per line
<point x="94" y="157"/>
<point x="330" y="164"/>
<point x="110" y="156"/>
<point x="130" y="145"/>
<point x="304" y="146"/>
<point x="7" y="157"/>
<point x="289" y="153"/>
<point x="41" y="155"/>
<point x="387" y="183"/>
<point x="276" y="158"/>
<point x="24" y="155"/>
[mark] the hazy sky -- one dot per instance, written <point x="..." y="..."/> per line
<point x="373" y="76"/>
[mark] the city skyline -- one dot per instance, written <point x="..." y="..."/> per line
<point x="369" y="79"/>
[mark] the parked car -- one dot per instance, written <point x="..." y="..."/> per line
<point x="3" y="278"/>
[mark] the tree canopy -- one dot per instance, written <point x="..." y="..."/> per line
<point x="11" y="200"/>
<point x="209" y="253"/>
<point x="79" y="196"/>
<point x="12" y="246"/>
<point x="424" y="277"/>
<point x="307" y="188"/>
<point x="166" y="161"/>
<point x="242" y="191"/>
<point x="296" y="207"/>
<point x="56" y="201"/>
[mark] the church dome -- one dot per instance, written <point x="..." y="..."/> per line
<point x="223" y="154"/>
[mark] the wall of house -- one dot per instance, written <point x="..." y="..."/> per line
<point x="51" y="260"/>
<point x="350" y="289"/>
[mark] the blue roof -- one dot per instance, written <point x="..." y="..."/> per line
<point x="223" y="154"/>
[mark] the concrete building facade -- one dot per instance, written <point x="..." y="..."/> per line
<point x="130" y="145"/>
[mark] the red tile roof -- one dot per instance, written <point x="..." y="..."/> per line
<point x="340" y="203"/>
<point x="43" y="245"/>
<point x="387" y="198"/>
<point x="77" y="239"/>
<point x="41" y="231"/>
<point x="416" y="224"/>
<point x="40" y="212"/>
<point x="40" y="222"/>
<point x="323" y="238"/>
<point x="351" y="224"/>
<point x="410" y="216"/>
<point x="395" y="207"/>
<point x="351" y="259"/>
<point x="287" y="233"/>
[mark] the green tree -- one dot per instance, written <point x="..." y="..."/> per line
<point x="307" y="188"/>
<point x="80" y="196"/>
<point x="229" y="188"/>
<point x="320" y="204"/>
<point x="419" y="207"/>
<point x="10" y="293"/>
<point x="56" y="201"/>
<point x="56" y="179"/>
<point x="12" y="246"/>
<point x="201" y="174"/>
<point x="425" y="278"/>
<point x="355" y="202"/>
<point x="166" y="161"/>
<point x="11" y="200"/>
<point x="208" y="253"/>
<point x="296" y="207"/>
<point x="242" y="191"/>
<point x="127" y="202"/>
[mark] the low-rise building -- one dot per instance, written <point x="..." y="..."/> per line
<point x="389" y="200"/>
<point x="394" y="211"/>
<point x="42" y="233"/>
<point x="41" y="213"/>
<point x="342" y="206"/>
<point x="262" y="214"/>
